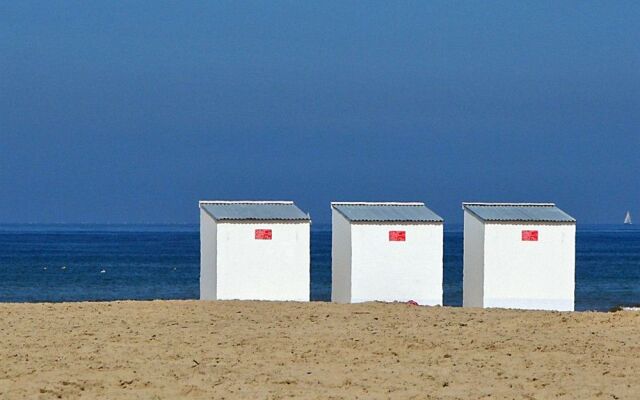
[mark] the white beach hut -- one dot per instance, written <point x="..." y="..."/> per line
<point x="386" y="252"/>
<point x="518" y="255"/>
<point x="254" y="250"/>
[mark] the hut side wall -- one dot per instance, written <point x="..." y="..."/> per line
<point x="387" y="270"/>
<point x="340" y="258"/>
<point x="208" y="256"/>
<point x="473" y="262"/>
<point x="529" y="274"/>
<point x="253" y="269"/>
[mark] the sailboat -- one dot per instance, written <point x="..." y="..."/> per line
<point x="627" y="219"/>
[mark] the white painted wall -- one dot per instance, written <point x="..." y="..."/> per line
<point x="473" y="270"/>
<point x="250" y="269"/>
<point x="397" y="271"/>
<point x="366" y="266"/>
<point x="519" y="274"/>
<point x="208" y="258"/>
<point x="530" y="274"/>
<point x="340" y="258"/>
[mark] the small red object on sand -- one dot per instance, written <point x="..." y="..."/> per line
<point x="412" y="303"/>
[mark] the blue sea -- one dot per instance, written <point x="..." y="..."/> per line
<point x="114" y="262"/>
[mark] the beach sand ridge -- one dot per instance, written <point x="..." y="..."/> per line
<point x="274" y="350"/>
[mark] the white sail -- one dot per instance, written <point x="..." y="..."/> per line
<point x="627" y="218"/>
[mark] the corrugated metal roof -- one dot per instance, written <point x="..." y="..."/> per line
<point x="518" y="212"/>
<point x="386" y="212"/>
<point x="254" y="210"/>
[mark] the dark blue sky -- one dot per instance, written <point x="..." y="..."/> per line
<point x="133" y="111"/>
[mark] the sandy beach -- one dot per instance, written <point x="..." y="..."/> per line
<point x="262" y="350"/>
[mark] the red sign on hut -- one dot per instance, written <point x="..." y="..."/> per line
<point x="263" y="234"/>
<point x="397" y="236"/>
